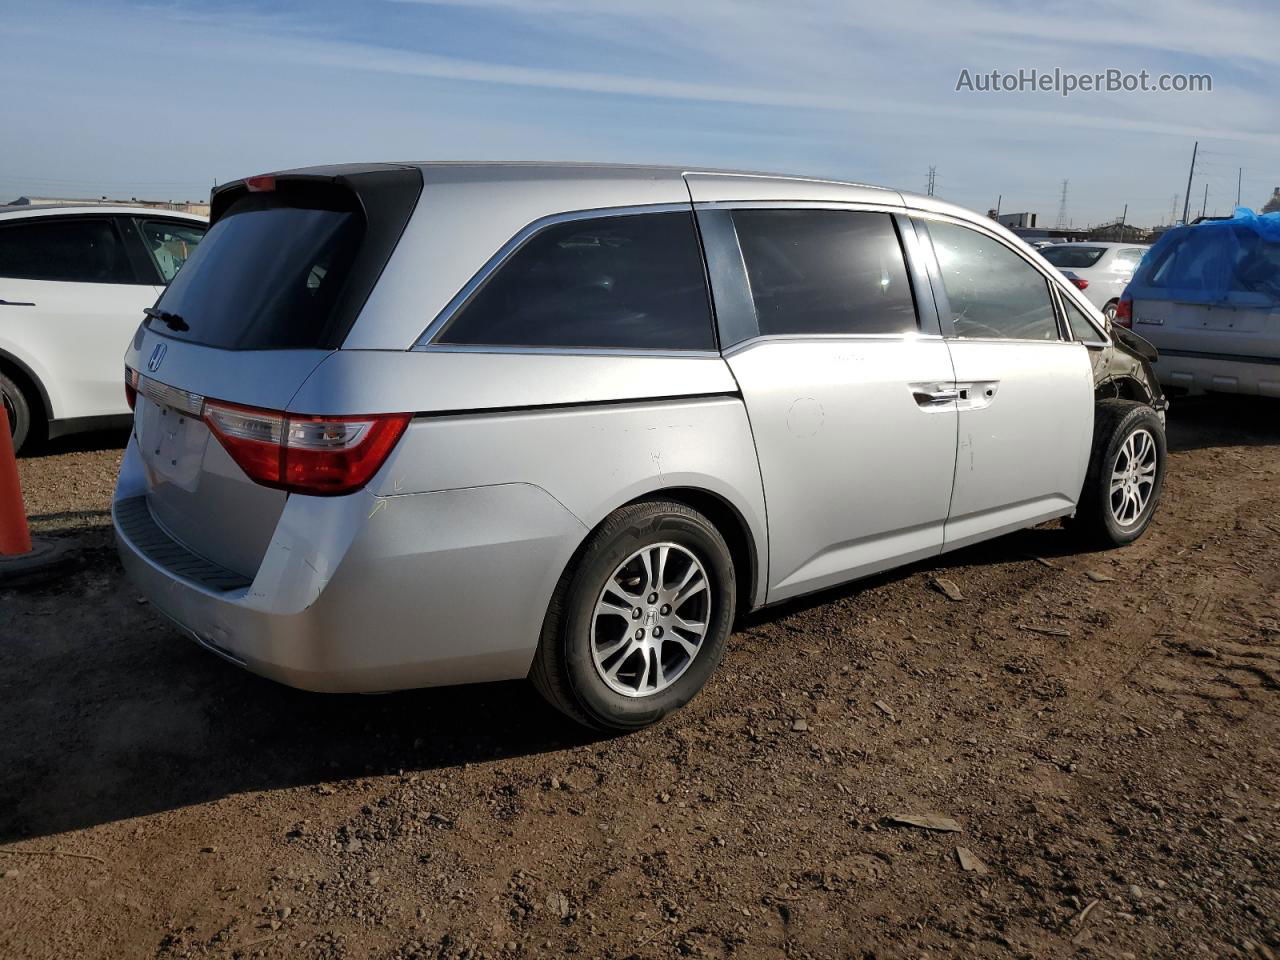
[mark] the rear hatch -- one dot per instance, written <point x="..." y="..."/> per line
<point x="1211" y="290"/>
<point x="279" y="280"/>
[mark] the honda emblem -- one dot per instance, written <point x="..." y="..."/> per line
<point x="157" y="357"/>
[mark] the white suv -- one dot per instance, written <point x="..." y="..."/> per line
<point x="74" y="282"/>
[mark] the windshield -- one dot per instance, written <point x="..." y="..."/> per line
<point x="1069" y="256"/>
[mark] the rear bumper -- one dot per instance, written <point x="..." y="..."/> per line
<point x="365" y="593"/>
<point x="1218" y="373"/>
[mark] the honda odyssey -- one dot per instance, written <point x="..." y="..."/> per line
<point x="413" y="424"/>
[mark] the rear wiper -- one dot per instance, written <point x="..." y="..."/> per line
<point x="170" y="320"/>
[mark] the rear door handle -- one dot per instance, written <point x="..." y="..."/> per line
<point x="16" y="303"/>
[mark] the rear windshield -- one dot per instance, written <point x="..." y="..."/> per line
<point x="267" y="274"/>
<point x="1068" y="256"/>
<point x="1208" y="263"/>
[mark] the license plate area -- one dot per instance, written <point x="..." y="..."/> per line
<point x="172" y="443"/>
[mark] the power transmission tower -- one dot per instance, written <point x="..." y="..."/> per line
<point x="1239" y="180"/>
<point x="1062" y="209"/>
<point x="1173" y="210"/>
<point x="933" y="172"/>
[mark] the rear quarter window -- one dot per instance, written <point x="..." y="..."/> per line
<point x="170" y="244"/>
<point x="629" y="282"/>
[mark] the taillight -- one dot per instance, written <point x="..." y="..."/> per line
<point x="1124" y="312"/>
<point x="1080" y="282"/>
<point x="131" y="386"/>
<point x="322" y="456"/>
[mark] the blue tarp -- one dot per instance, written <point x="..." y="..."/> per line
<point x="1234" y="261"/>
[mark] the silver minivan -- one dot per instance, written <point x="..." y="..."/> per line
<point x="417" y="424"/>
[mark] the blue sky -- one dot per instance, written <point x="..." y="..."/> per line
<point x="158" y="100"/>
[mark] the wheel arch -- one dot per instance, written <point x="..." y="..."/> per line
<point x="27" y="379"/>
<point x="746" y="546"/>
<point x="733" y="526"/>
<point x="1124" y="388"/>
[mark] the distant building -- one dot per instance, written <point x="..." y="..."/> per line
<point x="198" y="207"/>
<point x="1025" y="220"/>
<point x="1119" y="233"/>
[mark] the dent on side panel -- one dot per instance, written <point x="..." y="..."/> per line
<point x="592" y="459"/>
<point x="367" y="593"/>
<point x="457" y="583"/>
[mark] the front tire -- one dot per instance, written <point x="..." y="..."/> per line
<point x="17" y="409"/>
<point x="640" y="620"/>
<point x="1126" y="474"/>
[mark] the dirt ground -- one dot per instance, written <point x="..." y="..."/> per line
<point x="1102" y="727"/>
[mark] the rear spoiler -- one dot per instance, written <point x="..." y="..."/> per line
<point x="376" y="185"/>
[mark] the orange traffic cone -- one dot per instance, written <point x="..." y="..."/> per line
<point x="21" y="558"/>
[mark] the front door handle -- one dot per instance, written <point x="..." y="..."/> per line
<point x="16" y="303"/>
<point x="930" y="397"/>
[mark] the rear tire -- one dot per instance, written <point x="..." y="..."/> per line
<point x="1126" y="474"/>
<point x="1109" y="311"/>
<point x="17" y="408"/>
<point x="620" y="646"/>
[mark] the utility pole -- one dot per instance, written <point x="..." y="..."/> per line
<point x="1062" y="209"/>
<point x="1206" y="200"/>
<point x="932" y="174"/>
<point x="1239" y="180"/>
<point x="1123" y="217"/>
<point x="1190" y="173"/>
<point x="999" y="199"/>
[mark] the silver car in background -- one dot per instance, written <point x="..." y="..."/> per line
<point x="1099" y="269"/>
<point x="406" y="425"/>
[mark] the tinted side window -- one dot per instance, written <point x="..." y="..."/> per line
<point x="994" y="293"/>
<point x="54" y="248"/>
<point x="627" y="282"/>
<point x="170" y="244"/>
<point x="825" y="272"/>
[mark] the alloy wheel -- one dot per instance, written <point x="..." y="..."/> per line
<point x="1133" y="477"/>
<point x="650" y="620"/>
